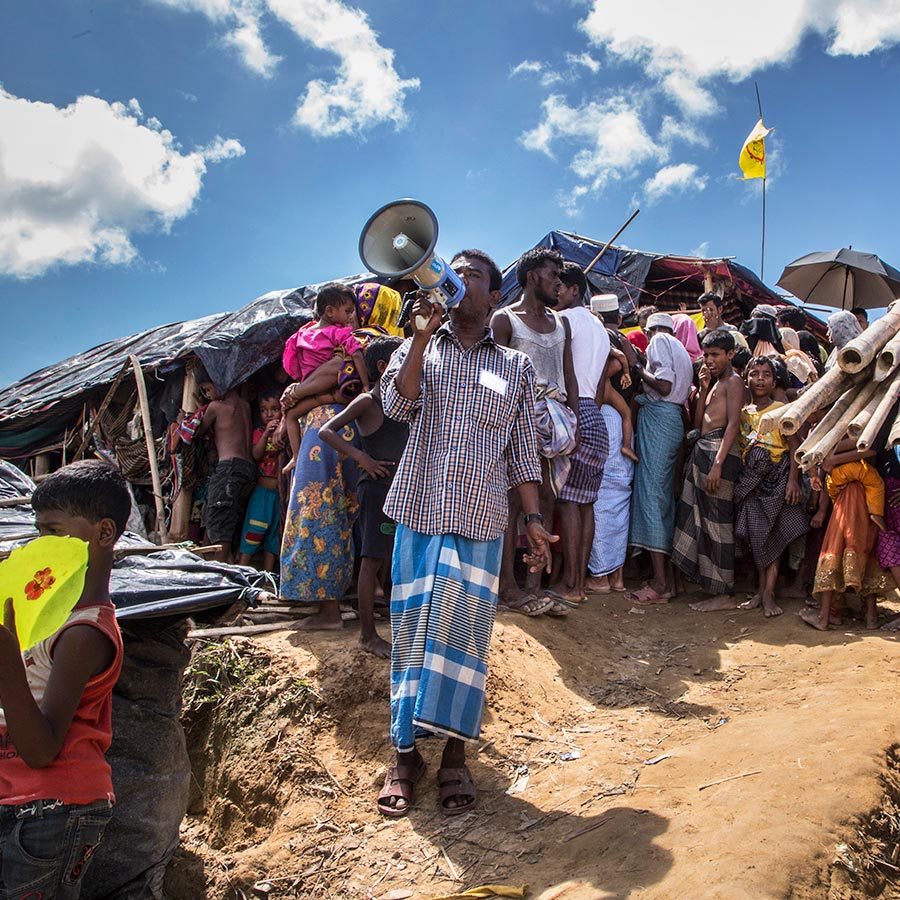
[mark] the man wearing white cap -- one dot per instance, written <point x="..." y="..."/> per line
<point x="660" y="432"/>
<point x="612" y="509"/>
<point x="575" y="505"/>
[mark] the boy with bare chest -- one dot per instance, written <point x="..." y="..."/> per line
<point x="703" y="547"/>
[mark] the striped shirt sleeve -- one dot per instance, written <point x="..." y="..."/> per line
<point x="522" y="461"/>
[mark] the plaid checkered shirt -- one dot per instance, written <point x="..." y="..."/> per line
<point x="472" y="436"/>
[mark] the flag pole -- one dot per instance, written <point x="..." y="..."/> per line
<point x="762" y="252"/>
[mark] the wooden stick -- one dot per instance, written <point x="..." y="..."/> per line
<point x="103" y="407"/>
<point x="822" y="393"/>
<point x="181" y="505"/>
<point x="224" y="630"/>
<point x="6" y="502"/>
<point x="894" y="436"/>
<point x="703" y="787"/>
<point x="888" y="398"/>
<point x="888" y="359"/>
<point x="855" y="355"/>
<point x="836" y="434"/>
<point x="861" y="419"/>
<point x="605" y="247"/>
<point x="828" y="421"/>
<point x="151" y="450"/>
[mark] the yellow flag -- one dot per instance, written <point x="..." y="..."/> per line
<point x="753" y="154"/>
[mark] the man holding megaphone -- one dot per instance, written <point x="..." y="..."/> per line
<point x="470" y="406"/>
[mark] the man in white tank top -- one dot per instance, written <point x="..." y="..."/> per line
<point x="531" y="326"/>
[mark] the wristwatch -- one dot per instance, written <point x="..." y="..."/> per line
<point x="533" y="517"/>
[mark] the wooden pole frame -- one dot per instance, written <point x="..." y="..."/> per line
<point x="151" y="450"/>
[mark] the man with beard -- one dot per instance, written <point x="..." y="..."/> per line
<point x="531" y="326"/>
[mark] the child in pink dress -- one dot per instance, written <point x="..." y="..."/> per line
<point x="315" y="355"/>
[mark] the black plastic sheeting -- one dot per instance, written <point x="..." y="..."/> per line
<point x="617" y="269"/>
<point x="163" y="583"/>
<point x="231" y="346"/>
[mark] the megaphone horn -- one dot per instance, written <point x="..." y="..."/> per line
<point x="399" y="240"/>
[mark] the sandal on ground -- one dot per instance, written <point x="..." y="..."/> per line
<point x="458" y="784"/>
<point x="530" y="606"/>
<point x="558" y="609"/>
<point x="571" y="602"/>
<point x="400" y="782"/>
<point x="647" y="596"/>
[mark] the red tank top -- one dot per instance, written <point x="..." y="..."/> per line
<point x="80" y="773"/>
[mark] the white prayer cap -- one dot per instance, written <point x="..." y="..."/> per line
<point x="661" y="320"/>
<point x="601" y="303"/>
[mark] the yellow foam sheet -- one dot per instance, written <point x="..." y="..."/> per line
<point x="45" y="579"/>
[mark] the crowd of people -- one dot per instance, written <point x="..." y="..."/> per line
<point x="422" y="466"/>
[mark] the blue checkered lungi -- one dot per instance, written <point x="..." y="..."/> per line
<point x="443" y="604"/>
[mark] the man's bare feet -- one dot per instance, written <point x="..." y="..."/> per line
<point x="377" y="646"/>
<point x="770" y="607"/>
<point x="714" y="604"/>
<point x="629" y="453"/>
<point x="319" y="622"/>
<point x="753" y="603"/>
<point x="813" y="619"/>
<point x="597" y="584"/>
<point x="879" y="521"/>
<point x="892" y="625"/>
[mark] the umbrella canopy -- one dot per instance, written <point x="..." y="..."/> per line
<point x="842" y="279"/>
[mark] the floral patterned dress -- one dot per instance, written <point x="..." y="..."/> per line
<point x="317" y="546"/>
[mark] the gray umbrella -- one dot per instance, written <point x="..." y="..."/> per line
<point x="842" y="279"/>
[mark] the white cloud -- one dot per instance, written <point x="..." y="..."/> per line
<point x="77" y="182"/>
<point x="612" y="139"/>
<point x="677" y="179"/>
<point x="701" y="251"/>
<point x="677" y="131"/>
<point x="241" y="21"/>
<point x="583" y="59"/>
<point x="527" y="67"/>
<point x="685" y="40"/>
<point x="366" y="90"/>
<point x="865" y="25"/>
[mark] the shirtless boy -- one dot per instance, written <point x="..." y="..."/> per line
<point x="232" y="480"/>
<point x="703" y="547"/>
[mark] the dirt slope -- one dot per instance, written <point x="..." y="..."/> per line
<point x="651" y="705"/>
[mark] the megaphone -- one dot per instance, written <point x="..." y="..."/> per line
<point x="399" y="240"/>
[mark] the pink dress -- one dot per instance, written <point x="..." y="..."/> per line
<point x="306" y="350"/>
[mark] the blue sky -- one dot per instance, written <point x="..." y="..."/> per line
<point x="165" y="159"/>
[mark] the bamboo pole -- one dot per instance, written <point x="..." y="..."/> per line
<point x="103" y="407"/>
<point x="837" y="433"/>
<point x="879" y="416"/>
<point x="181" y="506"/>
<point x="821" y="393"/>
<point x="894" y="435"/>
<point x="151" y="450"/>
<point x="825" y="424"/>
<point x="888" y="359"/>
<point x="855" y="355"/>
<point x="861" y="419"/>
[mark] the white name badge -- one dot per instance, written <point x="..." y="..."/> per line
<point x="492" y="382"/>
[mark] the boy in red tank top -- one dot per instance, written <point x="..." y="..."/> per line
<point x="56" y="791"/>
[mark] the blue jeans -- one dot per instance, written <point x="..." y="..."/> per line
<point x="45" y="848"/>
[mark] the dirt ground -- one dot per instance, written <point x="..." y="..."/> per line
<point x="626" y="753"/>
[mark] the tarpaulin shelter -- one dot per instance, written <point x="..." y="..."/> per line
<point x="639" y="278"/>
<point x="40" y="411"/>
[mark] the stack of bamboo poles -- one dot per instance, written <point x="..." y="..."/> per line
<point x="858" y="394"/>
